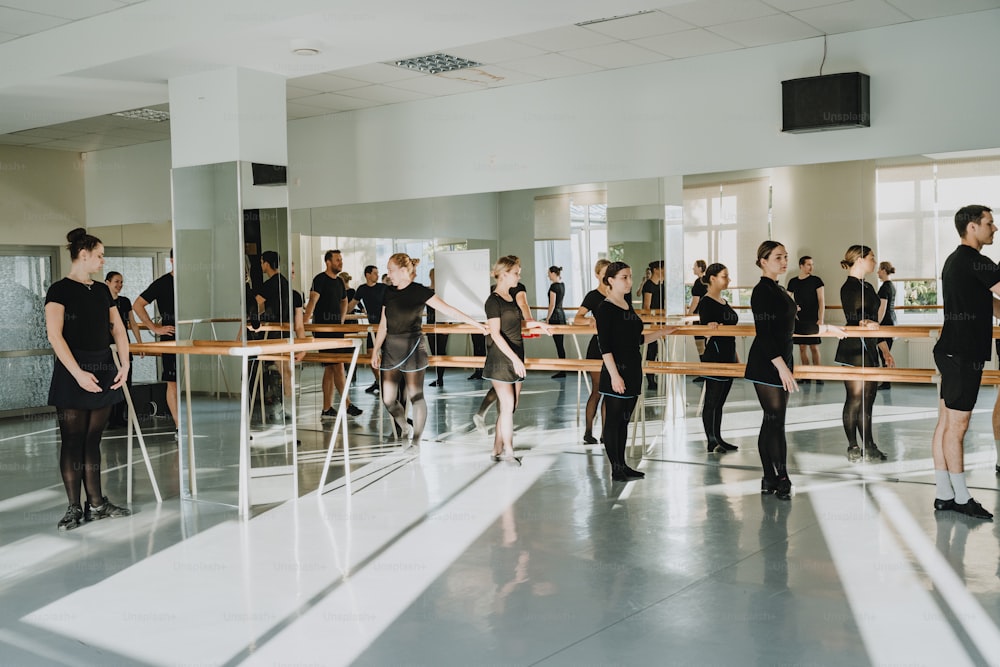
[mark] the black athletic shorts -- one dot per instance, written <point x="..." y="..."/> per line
<point x="960" y="380"/>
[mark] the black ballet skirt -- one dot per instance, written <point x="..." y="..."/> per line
<point x="65" y="392"/>
<point x="404" y="352"/>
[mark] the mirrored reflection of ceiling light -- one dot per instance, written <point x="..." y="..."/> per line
<point x="614" y="18"/>
<point x="436" y="63"/>
<point x="151" y="115"/>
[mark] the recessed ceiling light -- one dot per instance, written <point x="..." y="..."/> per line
<point x="436" y="63"/>
<point x="151" y="115"/>
<point x="614" y="18"/>
<point x="306" y="47"/>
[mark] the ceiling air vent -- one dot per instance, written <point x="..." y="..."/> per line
<point x="436" y="63"/>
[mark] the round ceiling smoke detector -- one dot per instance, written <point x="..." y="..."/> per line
<point x="306" y="47"/>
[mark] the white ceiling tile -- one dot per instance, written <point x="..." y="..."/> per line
<point x="19" y="140"/>
<point x="436" y="85"/>
<point x="292" y="92"/>
<point x="7" y="36"/>
<point x="929" y="9"/>
<point x="643" y="25"/>
<point x="73" y="10"/>
<point x="851" y="16"/>
<point x="384" y="94"/>
<point x="713" y="12"/>
<point x="335" y="102"/>
<point x="615" y="55"/>
<point x="296" y="111"/>
<point x="688" y="44"/>
<point x="495" y="51"/>
<point x="563" y="39"/>
<point x="50" y="132"/>
<point x="82" y="143"/>
<point x="795" y="5"/>
<point x="27" y="23"/>
<point x="488" y="76"/>
<point x="551" y="66"/>
<point x="324" y="83"/>
<point x="766" y="30"/>
<point x="378" y="73"/>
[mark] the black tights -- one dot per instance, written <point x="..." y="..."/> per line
<point x="80" y="454"/>
<point x="560" y="346"/>
<point x="716" y="392"/>
<point x="858" y="411"/>
<point x="617" y="415"/>
<point x="595" y="397"/>
<point x="771" y="442"/>
<point x="414" y="386"/>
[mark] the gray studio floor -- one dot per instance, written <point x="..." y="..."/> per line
<point x="437" y="556"/>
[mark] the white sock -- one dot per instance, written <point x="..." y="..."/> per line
<point x="943" y="481"/>
<point x="961" y="490"/>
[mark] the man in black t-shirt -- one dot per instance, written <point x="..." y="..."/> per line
<point x="371" y="296"/>
<point x="809" y="295"/>
<point x="652" y="300"/>
<point x="969" y="280"/>
<point x="328" y="305"/>
<point x="161" y="292"/>
<point x="273" y="305"/>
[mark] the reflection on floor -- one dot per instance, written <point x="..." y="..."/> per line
<point x="439" y="556"/>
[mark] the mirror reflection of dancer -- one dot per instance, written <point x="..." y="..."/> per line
<point x="504" y="365"/>
<point x="697" y="292"/>
<point x="861" y="305"/>
<point x="715" y="311"/>
<point x="591" y="301"/>
<point x="85" y="382"/>
<point x="371" y="295"/>
<point x="399" y="351"/>
<point x="652" y="301"/>
<point x="620" y="335"/>
<point x="810" y="297"/>
<point x="161" y="292"/>
<point x="556" y="314"/>
<point x="886" y="308"/>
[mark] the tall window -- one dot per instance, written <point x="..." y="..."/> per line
<point x="25" y="355"/>
<point x="719" y="219"/>
<point x="916" y="205"/>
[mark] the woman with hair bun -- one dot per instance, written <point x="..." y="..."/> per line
<point x="861" y="309"/>
<point x="621" y="334"/>
<point x="715" y="311"/>
<point x="769" y="364"/>
<point x="591" y="301"/>
<point x="504" y="366"/>
<point x="81" y="319"/>
<point x="556" y="314"/>
<point x="398" y="351"/>
<point x="887" y="308"/>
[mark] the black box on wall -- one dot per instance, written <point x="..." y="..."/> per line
<point x="830" y="102"/>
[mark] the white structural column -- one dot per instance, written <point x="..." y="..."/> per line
<point x="228" y="115"/>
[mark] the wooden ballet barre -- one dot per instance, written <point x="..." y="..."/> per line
<point x="748" y="330"/>
<point x="872" y="374"/>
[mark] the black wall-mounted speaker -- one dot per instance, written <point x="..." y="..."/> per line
<point x="830" y="102"/>
<point x="269" y="174"/>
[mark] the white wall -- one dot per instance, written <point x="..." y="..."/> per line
<point x="713" y="113"/>
<point x="128" y="185"/>
<point x="41" y="195"/>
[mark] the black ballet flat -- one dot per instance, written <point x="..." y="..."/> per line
<point x="783" y="491"/>
<point x="768" y="486"/>
<point x="631" y="473"/>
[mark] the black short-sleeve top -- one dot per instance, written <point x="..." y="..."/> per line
<point x="275" y="292"/>
<point x="510" y="318"/>
<point x="655" y="290"/>
<point x="372" y="296"/>
<point x="592" y="301"/>
<point x="806" y="297"/>
<point x="124" y="307"/>
<point x="966" y="279"/>
<point x="332" y="294"/>
<point x="698" y="289"/>
<point x="774" y="322"/>
<point x="620" y="333"/>
<point x="887" y="291"/>
<point x="161" y="291"/>
<point x="404" y="308"/>
<point x="87" y="313"/>
<point x="558" y="315"/>
<point x="860" y="302"/>
<point x="718" y="349"/>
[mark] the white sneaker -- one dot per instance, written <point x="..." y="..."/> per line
<point x="480" y="423"/>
